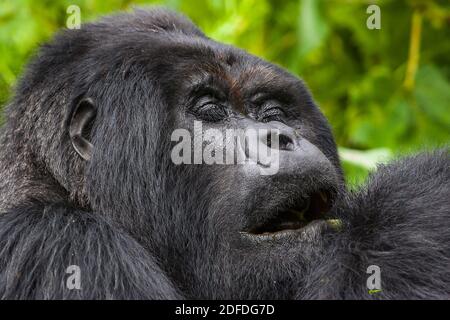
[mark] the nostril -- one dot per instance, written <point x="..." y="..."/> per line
<point x="284" y="141"/>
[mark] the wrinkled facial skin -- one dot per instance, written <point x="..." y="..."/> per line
<point x="214" y="226"/>
<point x="225" y="88"/>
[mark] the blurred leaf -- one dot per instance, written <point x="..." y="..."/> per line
<point x="433" y="94"/>
<point x="312" y="28"/>
<point x="366" y="159"/>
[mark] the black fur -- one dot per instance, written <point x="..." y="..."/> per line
<point x="140" y="227"/>
<point x="398" y="221"/>
<point x="39" y="241"/>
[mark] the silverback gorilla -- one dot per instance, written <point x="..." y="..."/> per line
<point x="87" y="180"/>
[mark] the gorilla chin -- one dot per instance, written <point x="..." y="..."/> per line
<point x="87" y="179"/>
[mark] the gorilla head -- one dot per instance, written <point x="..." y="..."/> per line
<point x="93" y="121"/>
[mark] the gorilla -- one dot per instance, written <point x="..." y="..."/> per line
<point x="88" y="182"/>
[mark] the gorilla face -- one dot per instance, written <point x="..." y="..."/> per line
<point x="229" y="89"/>
<point x="210" y="225"/>
<point x="254" y="222"/>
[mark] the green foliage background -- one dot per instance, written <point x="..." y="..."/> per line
<point x="384" y="91"/>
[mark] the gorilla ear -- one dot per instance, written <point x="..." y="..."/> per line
<point x="79" y="128"/>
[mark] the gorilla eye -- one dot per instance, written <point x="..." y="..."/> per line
<point x="272" y="111"/>
<point x="210" y="110"/>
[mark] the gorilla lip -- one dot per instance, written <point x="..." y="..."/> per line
<point x="306" y="212"/>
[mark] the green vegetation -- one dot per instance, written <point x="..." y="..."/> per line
<point x="385" y="91"/>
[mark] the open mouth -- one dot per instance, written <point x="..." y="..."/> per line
<point x="309" y="211"/>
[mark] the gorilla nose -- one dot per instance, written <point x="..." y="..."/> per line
<point x="264" y="142"/>
<point x="276" y="144"/>
<point x="283" y="140"/>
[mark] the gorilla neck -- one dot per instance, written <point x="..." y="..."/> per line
<point x="23" y="180"/>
